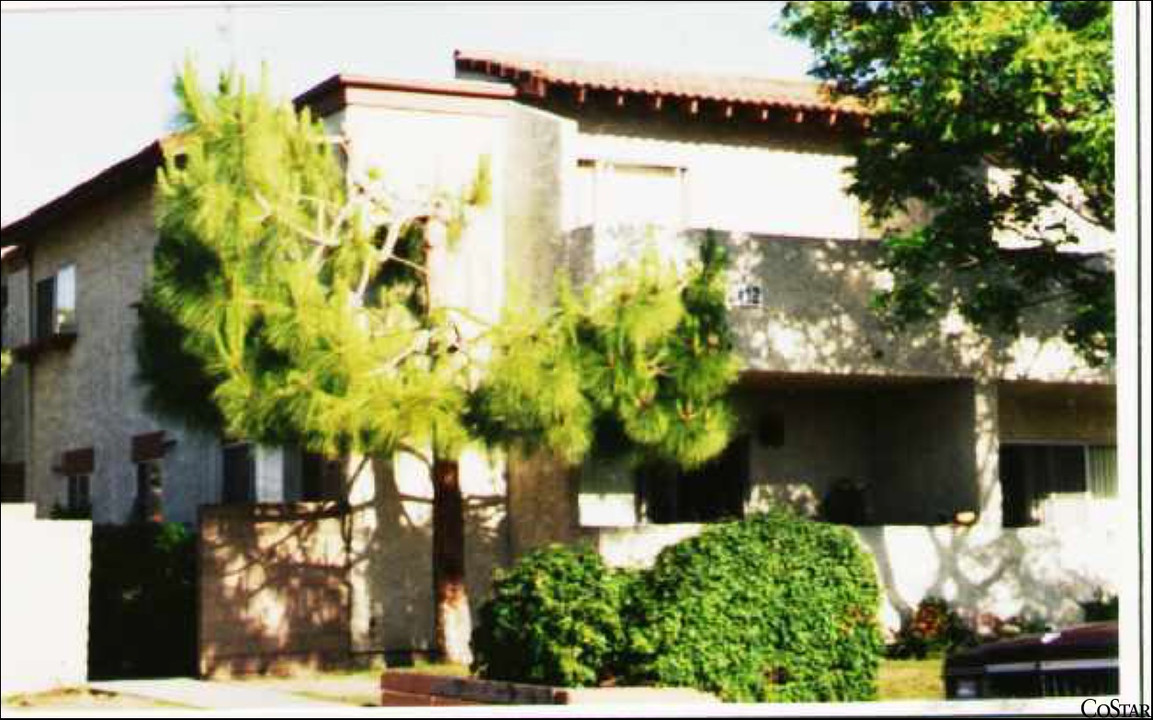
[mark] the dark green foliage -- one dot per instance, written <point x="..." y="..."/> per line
<point x="933" y="629"/>
<point x="65" y="512"/>
<point x="142" y="608"/>
<point x="771" y="608"/>
<point x="958" y="88"/>
<point x="554" y="619"/>
<point x="1101" y="608"/>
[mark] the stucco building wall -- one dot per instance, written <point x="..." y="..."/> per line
<point x="13" y="386"/>
<point x="87" y="395"/>
<point x="918" y="415"/>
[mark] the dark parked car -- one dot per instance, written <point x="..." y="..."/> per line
<point x="1078" y="661"/>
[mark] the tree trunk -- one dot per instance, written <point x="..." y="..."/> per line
<point x="453" y="618"/>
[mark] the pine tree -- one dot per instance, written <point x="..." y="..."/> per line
<point x="293" y="303"/>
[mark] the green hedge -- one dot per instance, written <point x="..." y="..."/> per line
<point x="771" y="608"/>
<point x="554" y="618"/>
<point x="142" y="602"/>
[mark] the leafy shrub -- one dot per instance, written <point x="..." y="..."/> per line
<point x="554" y="618"/>
<point x="933" y="629"/>
<point x="142" y="602"/>
<point x="770" y="608"/>
<point x="1101" y="608"/>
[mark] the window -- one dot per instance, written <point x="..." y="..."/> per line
<point x="76" y="467"/>
<point x="79" y="496"/>
<point x="715" y="492"/>
<point x="149" y="491"/>
<point x="239" y="481"/>
<point x="1034" y="474"/>
<point x="321" y="478"/>
<point x="12" y="483"/>
<point x="610" y="193"/>
<point x="56" y="304"/>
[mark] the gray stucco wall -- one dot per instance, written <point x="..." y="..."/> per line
<point x="87" y="395"/>
<point x="13" y="386"/>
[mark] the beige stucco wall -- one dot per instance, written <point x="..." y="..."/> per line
<point x="816" y="318"/>
<point x="87" y="395"/>
<point x="44" y="616"/>
<point x="787" y="182"/>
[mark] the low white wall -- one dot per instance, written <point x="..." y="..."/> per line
<point x="638" y="546"/>
<point x="1041" y="571"/>
<point x="44" y="617"/>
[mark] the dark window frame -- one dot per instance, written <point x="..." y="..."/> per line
<point x="238" y="490"/>
<point x="716" y="492"/>
<point x="1032" y="471"/>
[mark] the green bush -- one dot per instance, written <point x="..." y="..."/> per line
<point x="554" y="618"/>
<point x="933" y="629"/>
<point x="771" y="608"/>
<point x="1102" y="607"/>
<point x="142" y="602"/>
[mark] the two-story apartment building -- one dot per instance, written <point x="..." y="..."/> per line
<point x="976" y="467"/>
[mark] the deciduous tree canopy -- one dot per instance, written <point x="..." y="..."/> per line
<point x="957" y="89"/>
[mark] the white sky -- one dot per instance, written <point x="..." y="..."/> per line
<point x="84" y="85"/>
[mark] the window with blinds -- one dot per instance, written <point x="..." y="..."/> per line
<point x="1101" y="471"/>
<point x="1035" y="474"/>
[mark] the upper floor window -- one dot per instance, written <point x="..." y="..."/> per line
<point x="610" y="193"/>
<point x="56" y="304"/>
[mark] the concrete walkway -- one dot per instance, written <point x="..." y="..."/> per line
<point x="203" y="695"/>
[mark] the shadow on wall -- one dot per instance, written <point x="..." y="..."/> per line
<point x="390" y="560"/>
<point x="816" y="314"/>
<point x="274" y="592"/>
<point x="1042" y="571"/>
<point x="329" y="585"/>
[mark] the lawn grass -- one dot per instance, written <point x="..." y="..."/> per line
<point x="438" y="669"/>
<point x="911" y="680"/>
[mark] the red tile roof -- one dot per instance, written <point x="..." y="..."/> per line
<point x="762" y="91"/>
